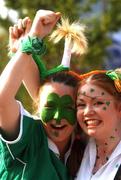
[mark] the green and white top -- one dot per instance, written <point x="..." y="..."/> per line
<point x="29" y="157"/>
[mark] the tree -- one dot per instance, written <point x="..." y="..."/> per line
<point x="100" y="22"/>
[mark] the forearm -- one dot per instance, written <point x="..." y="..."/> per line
<point x="31" y="80"/>
<point x="12" y="76"/>
<point x="10" y="81"/>
<point x="42" y="25"/>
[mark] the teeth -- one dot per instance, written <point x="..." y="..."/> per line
<point x="92" y="122"/>
<point x="58" y="126"/>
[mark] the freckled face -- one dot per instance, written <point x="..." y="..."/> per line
<point x="96" y="111"/>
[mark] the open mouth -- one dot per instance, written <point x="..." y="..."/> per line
<point x="92" y="122"/>
<point x="58" y="127"/>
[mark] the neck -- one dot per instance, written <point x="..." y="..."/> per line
<point x="108" y="143"/>
<point x="104" y="148"/>
<point x="63" y="147"/>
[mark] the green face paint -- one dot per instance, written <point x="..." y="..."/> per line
<point x="104" y="108"/>
<point x="84" y="93"/>
<point x="55" y="133"/>
<point x="107" y="103"/>
<point x="92" y="90"/>
<point x="59" y="108"/>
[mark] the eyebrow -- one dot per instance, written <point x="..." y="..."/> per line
<point x="90" y="96"/>
<point x="96" y="97"/>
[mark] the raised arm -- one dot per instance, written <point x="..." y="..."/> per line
<point x="15" y="71"/>
<point x="17" y="32"/>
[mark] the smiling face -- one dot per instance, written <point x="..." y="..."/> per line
<point x="97" y="112"/>
<point x="57" y="110"/>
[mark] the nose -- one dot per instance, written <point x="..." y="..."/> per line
<point x="89" y="110"/>
<point x="57" y="116"/>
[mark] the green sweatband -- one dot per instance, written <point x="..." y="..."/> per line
<point x="33" y="45"/>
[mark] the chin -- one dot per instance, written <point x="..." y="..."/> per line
<point x="91" y="133"/>
<point x="58" y="140"/>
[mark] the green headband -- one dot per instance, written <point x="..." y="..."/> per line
<point x="36" y="47"/>
<point x="113" y="74"/>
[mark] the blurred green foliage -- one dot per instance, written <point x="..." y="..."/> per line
<point x="99" y="23"/>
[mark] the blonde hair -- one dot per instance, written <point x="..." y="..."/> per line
<point x="73" y="34"/>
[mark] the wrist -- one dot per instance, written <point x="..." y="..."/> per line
<point x="32" y="34"/>
<point x="33" y="45"/>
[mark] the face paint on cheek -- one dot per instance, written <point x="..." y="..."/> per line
<point x="84" y="93"/>
<point x="102" y="93"/>
<point x="55" y="133"/>
<point x="59" y="108"/>
<point x="107" y="103"/>
<point x="68" y="110"/>
<point x="48" y="111"/>
<point x="112" y="137"/>
<point x="78" y="94"/>
<point x="104" y="108"/>
<point x="92" y="90"/>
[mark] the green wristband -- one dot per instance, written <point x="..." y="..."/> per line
<point x="36" y="47"/>
<point x="33" y="45"/>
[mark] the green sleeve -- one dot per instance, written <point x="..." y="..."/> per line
<point x="30" y="135"/>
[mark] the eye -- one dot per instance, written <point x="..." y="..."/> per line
<point x="81" y="105"/>
<point x="98" y="103"/>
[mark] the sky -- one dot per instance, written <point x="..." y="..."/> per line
<point x="4" y="12"/>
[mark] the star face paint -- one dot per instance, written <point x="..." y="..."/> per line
<point x="96" y="111"/>
<point x="59" y="108"/>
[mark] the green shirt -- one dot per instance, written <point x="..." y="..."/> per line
<point x="28" y="157"/>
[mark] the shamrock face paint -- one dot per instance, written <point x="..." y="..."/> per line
<point x="58" y="108"/>
<point x="96" y="111"/>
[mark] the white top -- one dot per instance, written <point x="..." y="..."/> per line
<point x="106" y="172"/>
<point x="54" y="148"/>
